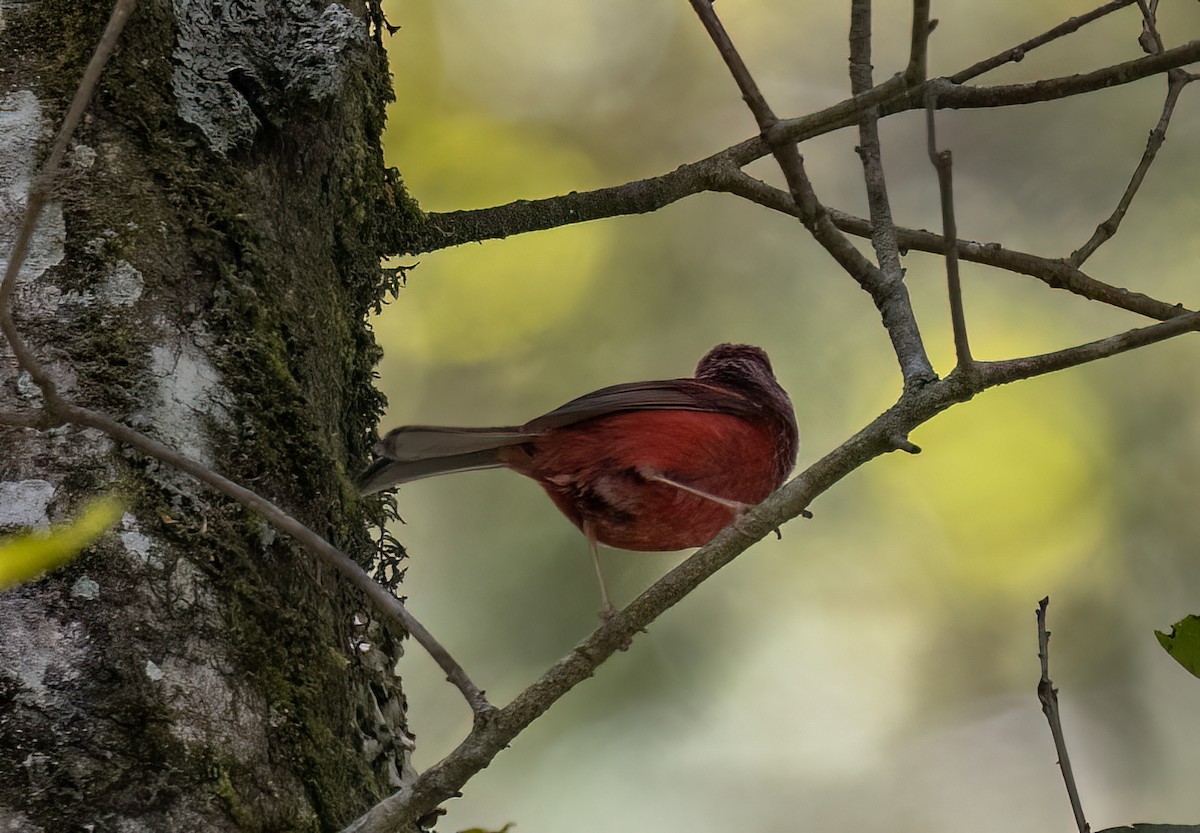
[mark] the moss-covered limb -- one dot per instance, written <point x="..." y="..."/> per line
<point x="217" y="678"/>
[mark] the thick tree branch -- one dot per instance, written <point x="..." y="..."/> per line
<point x="59" y="410"/>
<point x="720" y="174"/>
<point x="452" y="228"/>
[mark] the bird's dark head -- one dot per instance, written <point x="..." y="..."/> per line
<point x="745" y="369"/>
<point x="735" y="365"/>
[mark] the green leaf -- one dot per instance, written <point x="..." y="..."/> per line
<point x="1183" y="643"/>
<point x="27" y="555"/>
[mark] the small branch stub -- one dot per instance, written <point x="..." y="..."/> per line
<point x="902" y="443"/>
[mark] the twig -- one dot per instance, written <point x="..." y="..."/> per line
<point x="1018" y="53"/>
<point x="955" y="96"/>
<point x="918" y="47"/>
<point x="1048" y="695"/>
<point x="39" y="189"/>
<point x="890" y="296"/>
<point x="943" y="162"/>
<point x="1011" y="370"/>
<point x="952" y="95"/>
<point x="1177" y="80"/>
<point x="60" y="410"/>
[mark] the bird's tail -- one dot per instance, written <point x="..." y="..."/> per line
<point x="417" y="451"/>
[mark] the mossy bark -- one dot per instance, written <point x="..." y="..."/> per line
<point x="203" y="274"/>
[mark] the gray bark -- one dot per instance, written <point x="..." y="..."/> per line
<point x="203" y="274"/>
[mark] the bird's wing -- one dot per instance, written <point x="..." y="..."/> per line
<point x="666" y="395"/>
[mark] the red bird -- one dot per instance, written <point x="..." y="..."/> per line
<point x="649" y="466"/>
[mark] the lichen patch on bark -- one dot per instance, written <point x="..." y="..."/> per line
<point x="25" y="503"/>
<point x="22" y="129"/>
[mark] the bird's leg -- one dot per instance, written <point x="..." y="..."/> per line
<point x="736" y="506"/>
<point x="607" y="610"/>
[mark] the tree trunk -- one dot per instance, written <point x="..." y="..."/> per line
<point x="202" y="273"/>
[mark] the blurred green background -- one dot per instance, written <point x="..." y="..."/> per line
<point x="875" y="670"/>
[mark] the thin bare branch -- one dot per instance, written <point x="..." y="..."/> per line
<point x="1054" y="272"/>
<point x="918" y="48"/>
<point x="890" y="295"/>
<point x="1048" y="696"/>
<point x="59" y="410"/>
<point x="1012" y="370"/>
<point x="951" y="95"/>
<point x="1177" y="80"/>
<point x="751" y="94"/>
<point x="1018" y="52"/>
<point x="943" y="162"/>
<point x="40" y="188"/>
<point x="883" y="232"/>
<point x="956" y="97"/>
<point x="380" y="597"/>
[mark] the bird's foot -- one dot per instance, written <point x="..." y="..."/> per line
<point x="607" y="613"/>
